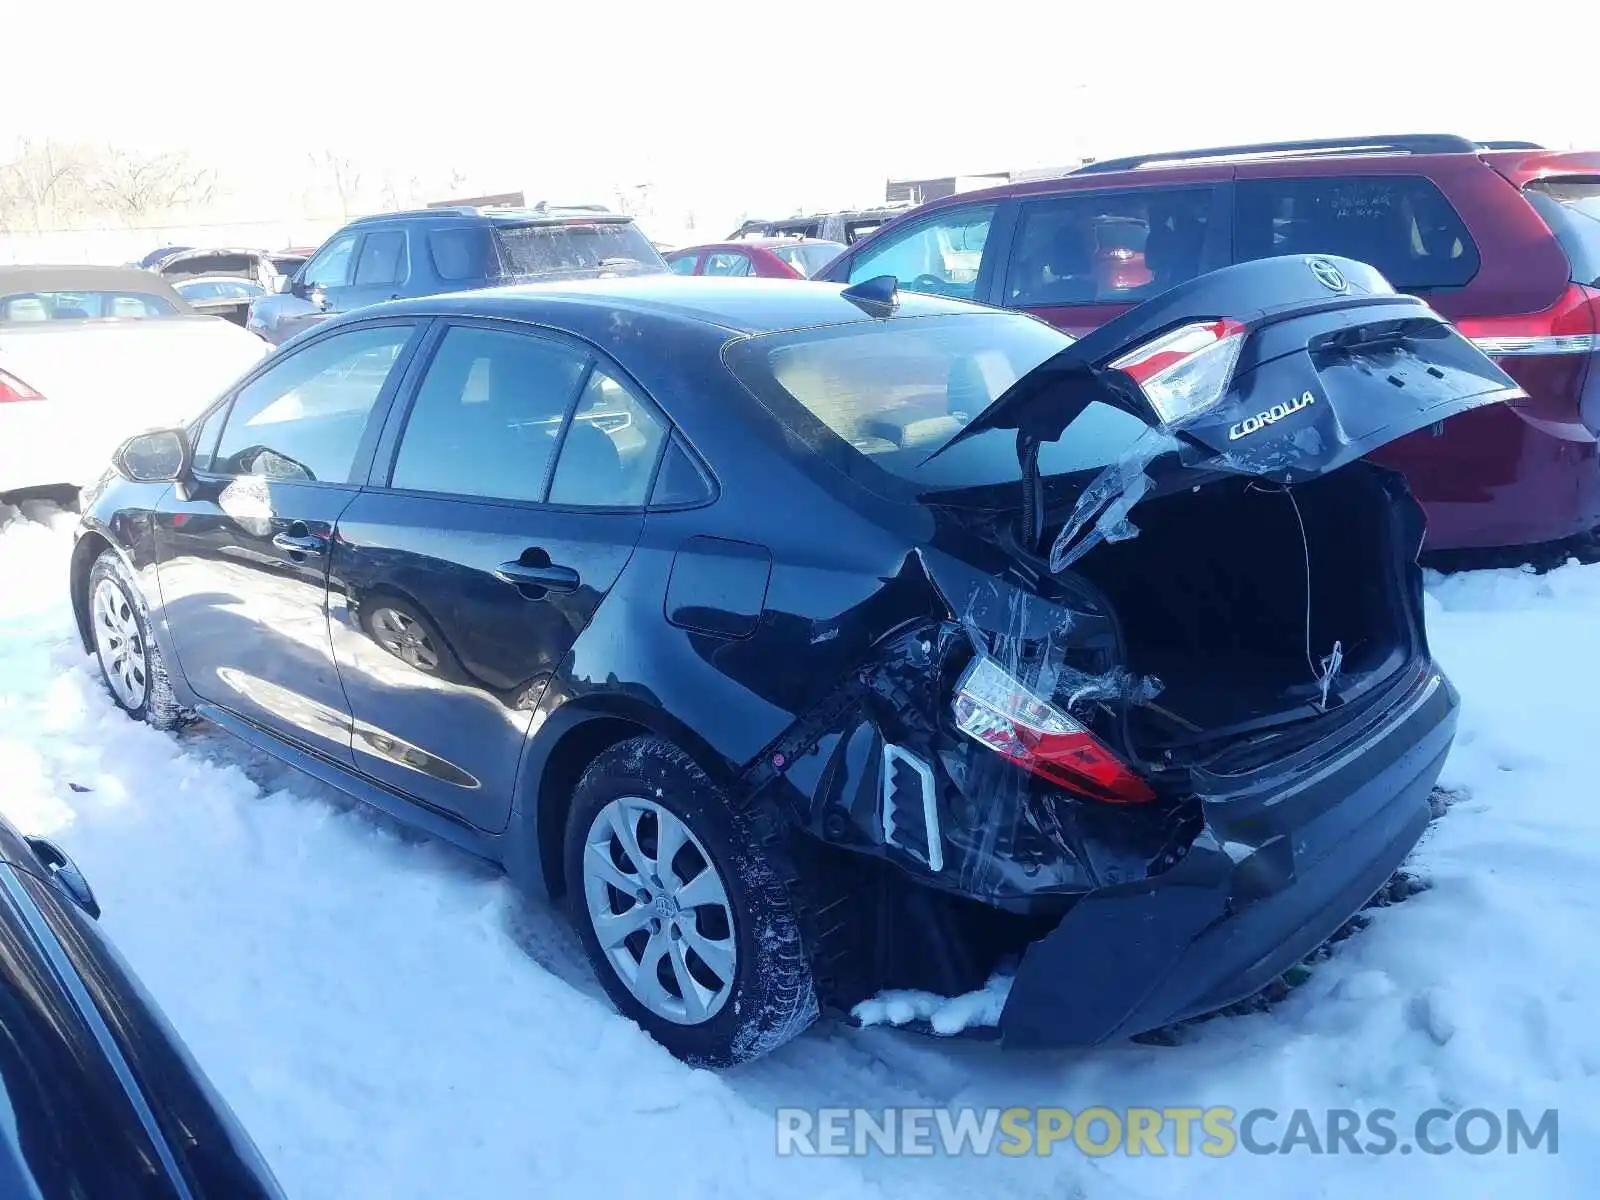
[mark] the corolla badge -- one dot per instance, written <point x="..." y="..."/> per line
<point x="1328" y="275"/>
<point x="1272" y="416"/>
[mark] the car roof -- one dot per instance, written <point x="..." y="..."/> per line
<point x="736" y="306"/>
<point x="760" y="243"/>
<point x="549" y="215"/>
<point x="76" y="276"/>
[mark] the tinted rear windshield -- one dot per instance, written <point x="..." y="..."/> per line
<point x="1571" y="207"/>
<point x="21" y="308"/>
<point x="876" y="399"/>
<point x="552" y="249"/>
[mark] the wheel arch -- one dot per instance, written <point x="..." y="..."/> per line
<point x="85" y="553"/>
<point x="567" y="742"/>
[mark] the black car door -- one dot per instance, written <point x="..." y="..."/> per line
<point x="506" y="497"/>
<point x="243" y="549"/>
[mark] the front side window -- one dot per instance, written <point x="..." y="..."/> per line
<point x="941" y="255"/>
<point x="331" y="266"/>
<point x="487" y="415"/>
<point x="1400" y="224"/>
<point x="383" y="259"/>
<point x="302" y="418"/>
<point x="807" y="257"/>
<point x="1110" y="248"/>
<point x="609" y="453"/>
<point x="727" y="262"/>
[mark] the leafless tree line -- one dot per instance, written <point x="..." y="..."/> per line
<point x="47" y="184"/>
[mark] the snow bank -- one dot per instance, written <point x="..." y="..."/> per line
<point x="391" y="1023"/>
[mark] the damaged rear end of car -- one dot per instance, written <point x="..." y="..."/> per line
<point x="1152" y="712"/>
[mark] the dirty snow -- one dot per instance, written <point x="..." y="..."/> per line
<point x="391" y="1023"/>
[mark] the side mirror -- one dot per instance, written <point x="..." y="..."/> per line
<point x="160" y="456"/>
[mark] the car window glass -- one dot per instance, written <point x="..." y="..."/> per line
<point x="679" y="481"/>
<point x="1109" y="248"/>
<point x="382" y="258"/>
<point x="726" y="262"/>
<point x="1400" y="224"/>
<point x="609" y="454"/>
<point x="203" y="437"/>
<point x="486" y="417"/>
<point x="461" y="253"/>
<point x="27" y="307"/>
<point x="941" y="255"/>
<point x="331" y="266"/>
<point x="302" y="419"/>
<point x="682" y="264"/>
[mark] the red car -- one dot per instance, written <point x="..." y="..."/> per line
<point x="1502" y="238"/>
<point x="765" y="258"/>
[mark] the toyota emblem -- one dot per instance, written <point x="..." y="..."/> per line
<point x="1327" y="274"/>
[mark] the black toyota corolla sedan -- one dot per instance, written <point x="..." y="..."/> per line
<point x="101" y="1099"/>
<point x="813" y="640"/>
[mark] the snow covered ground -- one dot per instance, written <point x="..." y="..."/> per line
<point x="391" y="1023"/>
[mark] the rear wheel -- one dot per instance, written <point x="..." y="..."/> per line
<point x="130" y="661"/>
<point x="685" y="919"/>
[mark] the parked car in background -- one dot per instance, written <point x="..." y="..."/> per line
<point x="221" y="296"/>
<point x="102" y="1098"/>
<point x="843" y="227"/>
<point x="422" y="253"/>
<point x="89" y="355"/>
<point x="765" y="258"/>
<point x="1504" y="242"/>
<point x="155" y="258"/>
<point x="522" y="567"/>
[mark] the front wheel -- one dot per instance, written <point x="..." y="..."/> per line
<point x="131" y="663"/>
<point x="687" y="923"/>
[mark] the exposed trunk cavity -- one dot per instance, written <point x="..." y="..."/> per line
<point x="1259" y="605"/>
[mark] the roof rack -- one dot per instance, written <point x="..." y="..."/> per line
<point x="1388" y="143"/>
<point x="1509" y="146"/>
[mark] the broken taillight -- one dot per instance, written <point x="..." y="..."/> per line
<point x="13" y="389"/>
<point x="1186" y="370"/>
<point x="997" y="710"/>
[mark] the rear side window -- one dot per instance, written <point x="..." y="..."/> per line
<point x="726" y="263"/>
<point x="487" y="414"/>
<point x="461" y="253"/>
<point x="609" y="453"/>
<point x="1112" y="248"/>
<point x="682" y="264"/>
<point x="1400" y="224"/>
<point x="1571" y="207"/>
<point x="383" y="258"/>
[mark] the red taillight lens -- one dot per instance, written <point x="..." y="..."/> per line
<point x="1187" y="370"/>
<point x="995" y="709"/>
<point x="1570" y="326"/>
<point x="13" y="389"/>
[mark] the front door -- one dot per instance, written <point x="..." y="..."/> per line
<point x="243" y="549"/>
<point x="318" y="290"/>
<point x="502" y="508"/>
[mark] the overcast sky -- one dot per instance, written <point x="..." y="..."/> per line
<point x="775" y="106"/>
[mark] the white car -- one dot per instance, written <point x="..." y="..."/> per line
<point x="90" y="355"/>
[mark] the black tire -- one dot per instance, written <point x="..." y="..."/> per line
<point x="773" y="997"/>
<point x="156" y="706"/>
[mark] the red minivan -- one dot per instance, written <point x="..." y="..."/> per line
<point x="1502" y="238"/>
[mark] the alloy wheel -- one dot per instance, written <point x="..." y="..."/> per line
<point x="660" y="910"/>
<point x="120" y="644"/>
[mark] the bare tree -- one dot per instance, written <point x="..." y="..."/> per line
<point x="45" y="184"/>
<point x="134" y="187"/>
<point x="341" y="176"/>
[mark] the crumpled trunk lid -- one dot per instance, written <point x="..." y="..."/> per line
<point x="1334" y="365"/>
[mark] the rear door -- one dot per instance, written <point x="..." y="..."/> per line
<point x="380" y="271"/>
<point x="1078" y="259"/>
<point x="243" y="551"/>
<point x="507" y="495"/>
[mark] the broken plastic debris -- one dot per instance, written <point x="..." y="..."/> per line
<point x="78" y="787"/>
<point x="946" y="1015"/>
